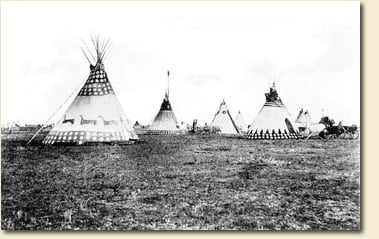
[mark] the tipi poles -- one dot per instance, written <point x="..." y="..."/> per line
<point x="86" y="57"/>
<point x="64" y="102"/>
<point x="93" y="58"/>
<point x="168" y="83"/>
<point x="101" y="47"/>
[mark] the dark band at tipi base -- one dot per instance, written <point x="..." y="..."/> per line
<point x="274" y="120"/>
<point x="182" y="116"/>
<point x="95" y="115"/>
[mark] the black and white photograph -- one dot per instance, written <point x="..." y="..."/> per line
<point x="180" y="115"/>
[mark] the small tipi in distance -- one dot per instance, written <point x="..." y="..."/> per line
<point x="224" y="120"/>
<point x="240" y="122"/>
<point x="165" y="121"/>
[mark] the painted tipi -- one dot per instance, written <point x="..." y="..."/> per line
<point x="165" y="121"/>
<point x="224" y="120"/>
<point x="95" y="115"/>
<point x="240" y="122"/>
<point x="274" y="120"/>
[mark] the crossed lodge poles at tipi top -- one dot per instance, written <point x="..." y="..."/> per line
<point x="274" y="120"/>
<point x="95" y="115"/>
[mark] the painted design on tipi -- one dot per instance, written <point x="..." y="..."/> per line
<point x="97" y="83"/>
<point x="274" y="120"/>
<point x="165" y="121"/>
<point x="224" y="120"/>
<point x="240" y="122"/>
<point x="95" y="115"/>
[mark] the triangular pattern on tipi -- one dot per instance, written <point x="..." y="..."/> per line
<point x="95" y="115"/>
<point x="274" y="120"/>
<point x="240" y="122"/>
<point x="224" y="120"/>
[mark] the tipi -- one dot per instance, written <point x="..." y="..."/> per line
<point x="137" y="125"/>
<point x="274" y="120"/>
<point x="305" y="124"/>
<point x="165" y="121"/>
<point x="303" y="120"/>
<point x="240" y="122"/>
<point x="308" y="117"/>
<point x="95" y="115"/>
<point x="224" y="120"/>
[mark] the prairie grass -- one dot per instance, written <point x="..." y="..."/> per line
<point x="186" y="182"/>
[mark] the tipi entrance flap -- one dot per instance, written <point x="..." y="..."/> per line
<point x="274" y="120"/>
<point x="289" y="126"/>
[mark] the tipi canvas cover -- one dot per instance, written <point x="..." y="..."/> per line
<point x="240" y="122"/>
<point x="165" y="121"/>
<point x="303" y="120"/>
<point x="305" y="124"/>
<point x="95" y="115"/>
<point x="308" y="117"/>
<point x="273" y="121"/>
<point x="224" y="120"/>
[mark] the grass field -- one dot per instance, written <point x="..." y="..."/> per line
<point x="182" y="182"/>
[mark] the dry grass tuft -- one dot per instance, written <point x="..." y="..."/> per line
<point x="182" y="182"/>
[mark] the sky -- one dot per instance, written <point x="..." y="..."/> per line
<point x="213" y="50"/>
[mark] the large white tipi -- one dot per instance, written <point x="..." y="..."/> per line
<point x="240" y="122"/>
<point x="224" y="120"/>
<point x="274" y="120"/>
<point x="165" y="121"/>
<point x="95" y="115"/>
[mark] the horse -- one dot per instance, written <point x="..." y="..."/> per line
<point x="68" y="120"/>
<point x="84" y="121"/>
<point x="108" y="122"/>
